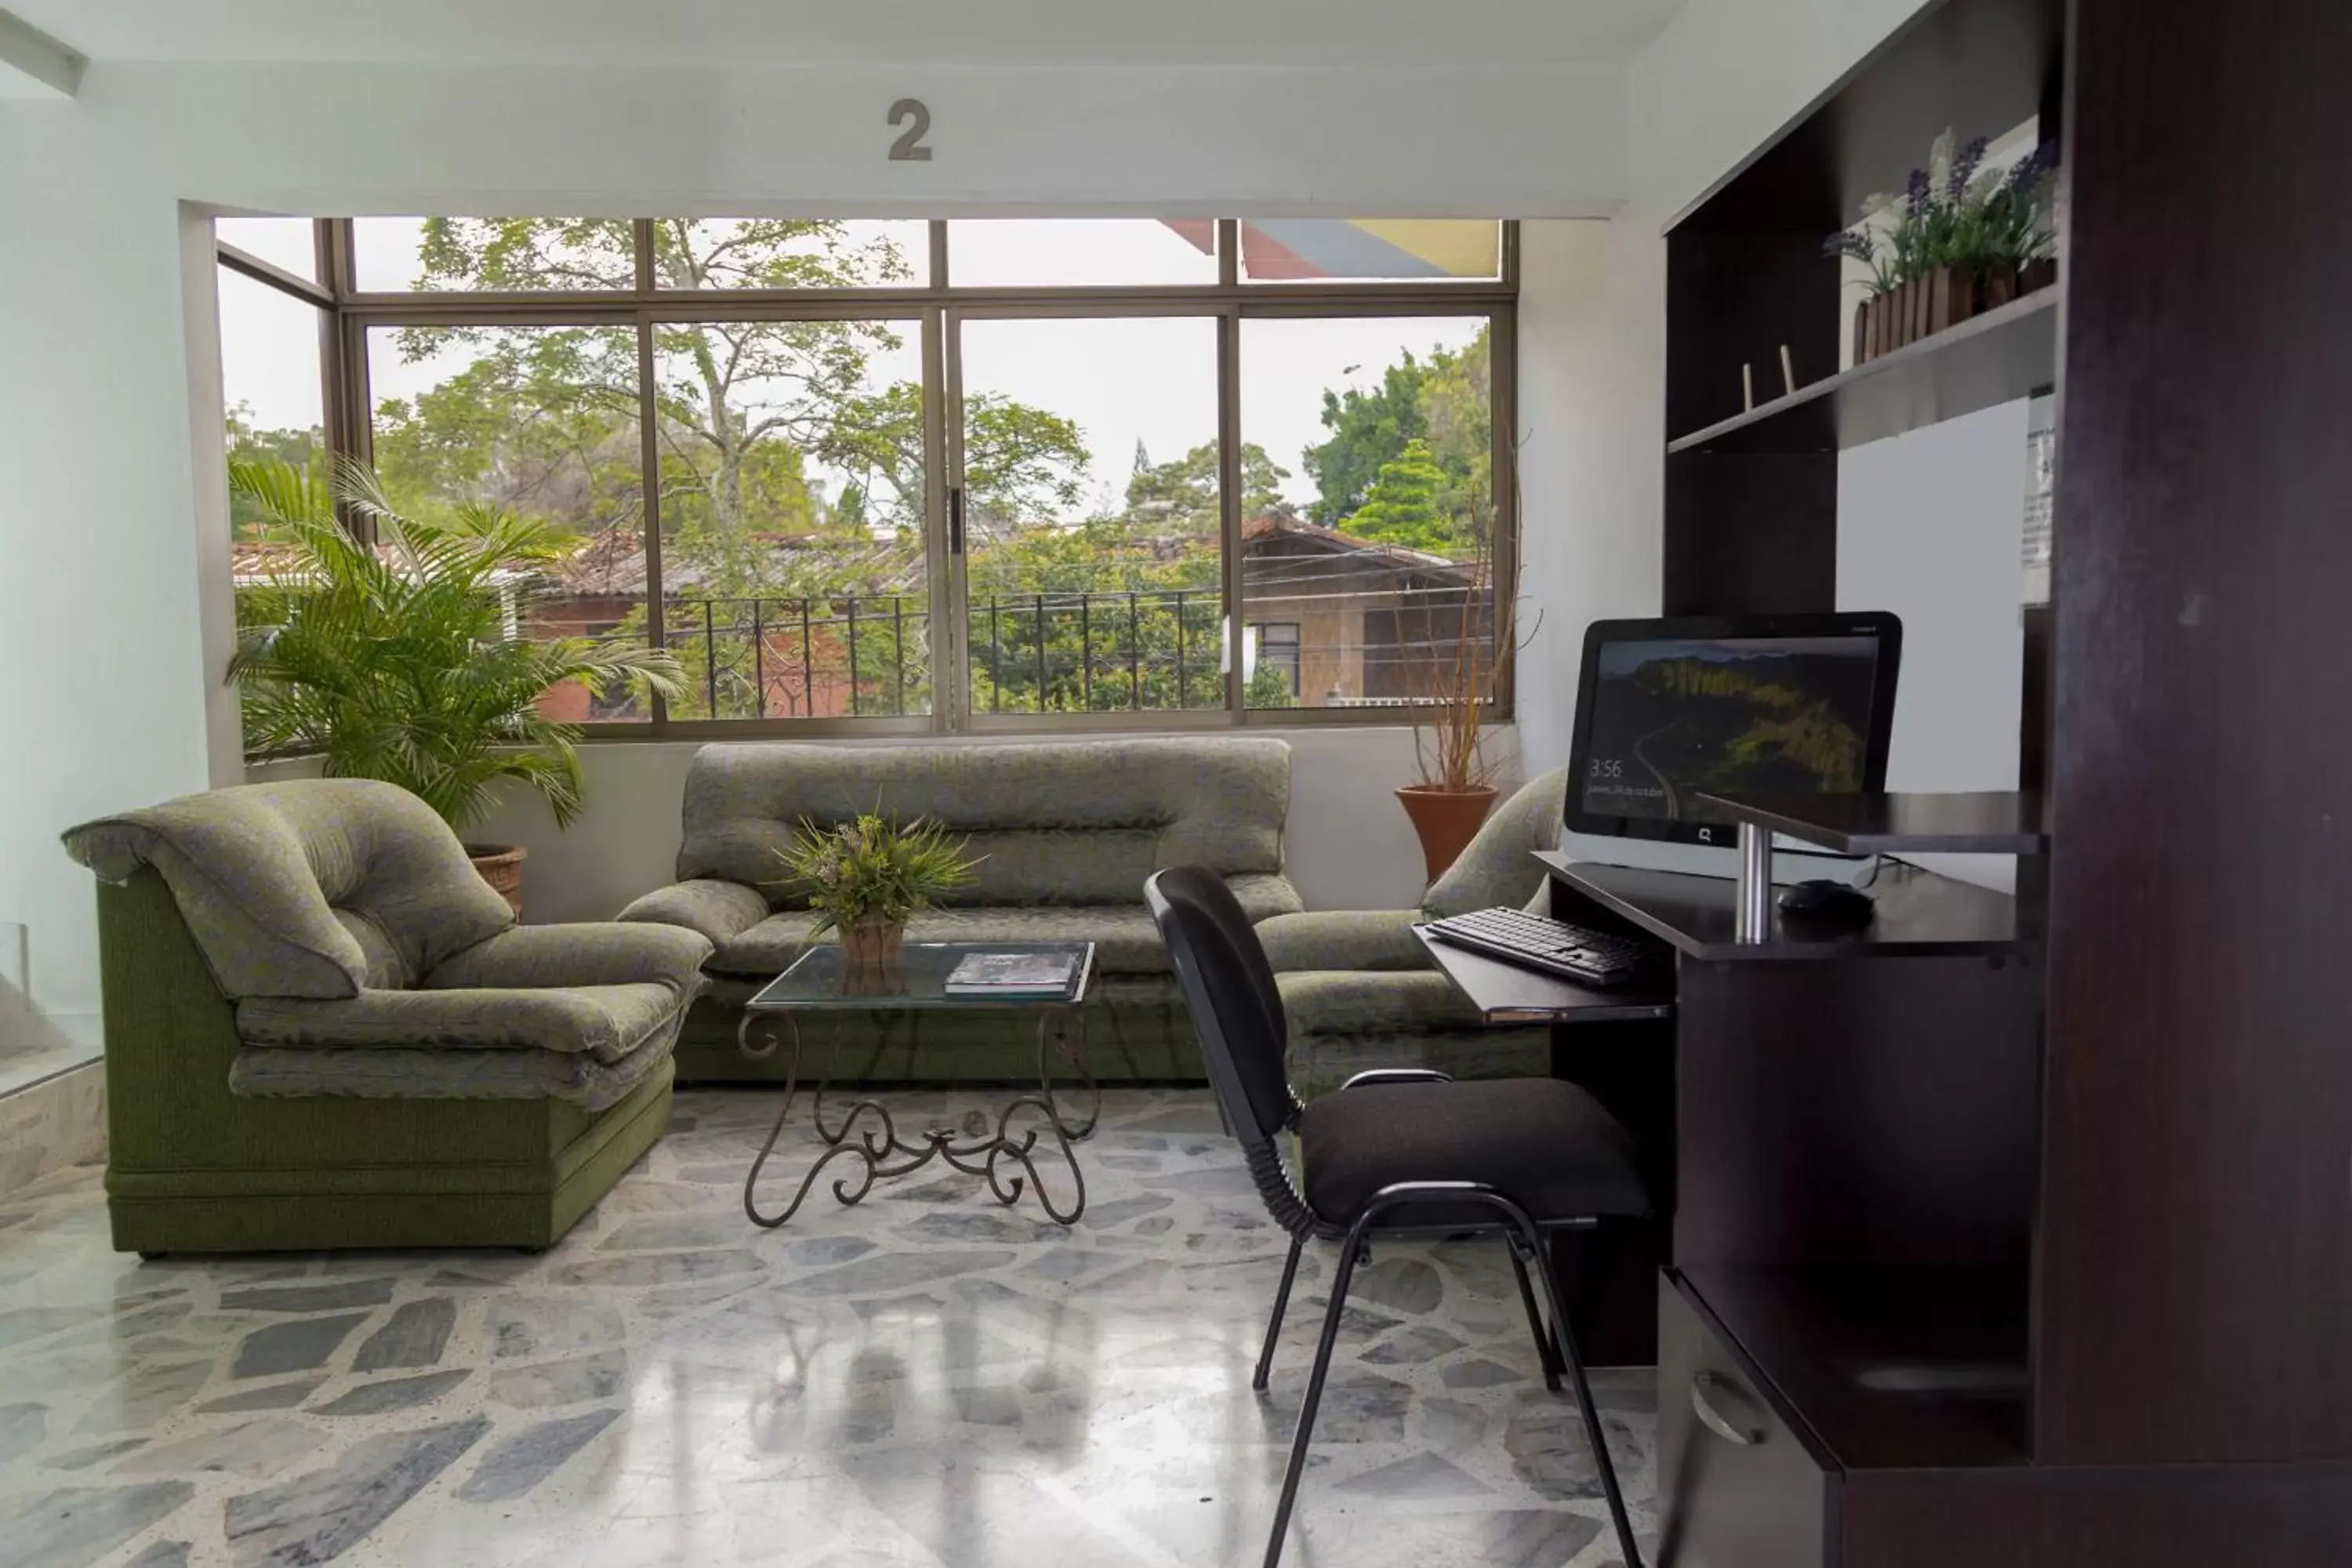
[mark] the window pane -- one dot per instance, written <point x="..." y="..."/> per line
<point x="1333" y="250"/>
<point x="1057" y="252"/>
<point x="271" y="387"/>
<point x="540" y="422"/>
<point x="791" y="517"/>
<point x="790" y="253"/>
<point x="283" y="242"/>
<point x="500" y="255"/>
<point x="1090" y="478"/>
<point x="1367" y="509"/>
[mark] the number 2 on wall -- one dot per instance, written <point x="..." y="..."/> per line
<point x="910" y="146"/>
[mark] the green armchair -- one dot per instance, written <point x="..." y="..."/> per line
<point x="1360" y="992"/>
<point x="323" y="1029"/>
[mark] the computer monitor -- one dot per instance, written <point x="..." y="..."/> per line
<point x="1785" y="704"/>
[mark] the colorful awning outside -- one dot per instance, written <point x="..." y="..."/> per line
<point x="1285" y="250"/>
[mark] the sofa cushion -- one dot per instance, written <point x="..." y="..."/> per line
<point x="1360" y="1002"/>
<point x="1343" y="939"/>
<point x="314" y="887"/>
<point x="1068" y="823"/>
<point x="269" y="1072"/>
<point x="1496" y="869"/>
<point x="603" y="953"/>
<point x="604" y="1023"/>
<point x="1126" y="942"/>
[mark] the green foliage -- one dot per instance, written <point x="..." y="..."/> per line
<point x="398" y="663"/>
<point x="1444" y="403"/>
<point x="1181" y="495"/>
<point x="1269" y="686"/>
<point x="1403" y="507"/>
<point x="872" y="868"/>
<point x="303" y="451"/>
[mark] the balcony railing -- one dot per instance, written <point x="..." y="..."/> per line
<point x="1105" y="651"/>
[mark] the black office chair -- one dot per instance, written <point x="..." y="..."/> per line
<point x="1392" y="1153"/>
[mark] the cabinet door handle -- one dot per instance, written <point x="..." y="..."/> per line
<point x="1702" y="1385"/>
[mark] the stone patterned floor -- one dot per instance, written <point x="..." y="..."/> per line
<point x="925" y="1378"/>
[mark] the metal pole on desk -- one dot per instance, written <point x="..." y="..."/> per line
<point x="1755" y="911"/>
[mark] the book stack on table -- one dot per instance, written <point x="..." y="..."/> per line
<point x="1011" y="974"/>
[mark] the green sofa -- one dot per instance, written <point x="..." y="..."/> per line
<point x="1360" y="992"/>
<point x="1067" y="831"/>
<point x="324" y="1030"/>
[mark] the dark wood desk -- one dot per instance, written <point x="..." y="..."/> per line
<point x="1821" y="1115"/>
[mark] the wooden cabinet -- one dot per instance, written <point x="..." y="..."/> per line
<point x="1737" y="1487"/>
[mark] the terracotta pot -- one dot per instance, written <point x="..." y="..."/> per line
<point x="1446" y="819"/>
<point x="501" y="866"/>
<point x="872" y="943"/>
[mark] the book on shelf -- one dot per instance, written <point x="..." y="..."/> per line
<point x="1012" y="975"/>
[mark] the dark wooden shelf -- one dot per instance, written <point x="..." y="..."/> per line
<point x="1505" y="994"/>
<point x="1998" y="357"/>
<point x="1982" y="823"/>
<point x="1918" y="912"/>
<point x="1902" y="1367"/>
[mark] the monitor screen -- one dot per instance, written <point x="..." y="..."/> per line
<point x="1781" y="705"/>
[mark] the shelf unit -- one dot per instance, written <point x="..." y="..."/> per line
<point x="1978" y="821"/>
<point x="2032" y="1251"/>
<point x="1998" y="357"/>
<point x="2030" y="1245"/>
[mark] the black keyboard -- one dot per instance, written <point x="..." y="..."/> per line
<point x="1536" y="941"/>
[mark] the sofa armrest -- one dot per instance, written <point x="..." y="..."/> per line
<point x="550" y="957"/>
<point x="1343" y="940"/>
<point x="720" y="911"/>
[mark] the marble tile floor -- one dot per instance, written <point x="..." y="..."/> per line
<point x="925" y="1378"/>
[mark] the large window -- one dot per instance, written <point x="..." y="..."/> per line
<point x="904" y="475"/>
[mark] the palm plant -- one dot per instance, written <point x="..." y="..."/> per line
<point x="403" y="660"/>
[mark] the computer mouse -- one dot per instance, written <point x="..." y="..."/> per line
<point x="1827" y="903"/>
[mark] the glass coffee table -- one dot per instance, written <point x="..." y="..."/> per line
<point x="822" y="982"/>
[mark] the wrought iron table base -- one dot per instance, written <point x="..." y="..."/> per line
<point x="880" y="1152"/>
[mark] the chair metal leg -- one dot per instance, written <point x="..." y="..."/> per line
<point x="1282" y="1301"/>
<point x="1544" y="1347"/>
<point x="1354" y="1248"/>
<point x="1567" y="1339"/>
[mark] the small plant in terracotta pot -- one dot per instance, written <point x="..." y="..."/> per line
<point x="867" y="874"/>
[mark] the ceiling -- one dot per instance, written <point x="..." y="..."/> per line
<point x="1320" y="33"/>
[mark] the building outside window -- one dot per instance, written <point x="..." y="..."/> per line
<point x="908" y="476"/>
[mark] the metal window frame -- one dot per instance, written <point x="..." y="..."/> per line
<point x="934" y="307"/>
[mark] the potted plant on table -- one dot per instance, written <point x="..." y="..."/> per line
<point x="867" y="874"/>
<point x="404" y="658"/>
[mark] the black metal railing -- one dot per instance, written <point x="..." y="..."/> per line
<point x="1101" y="651"/>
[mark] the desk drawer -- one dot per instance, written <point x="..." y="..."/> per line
<point x="1736" y="1488"/>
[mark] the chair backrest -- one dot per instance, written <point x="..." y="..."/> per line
<point x="1230" y="992"/>
<point x="311" y="888"/>
<point x="1080" y="822"/>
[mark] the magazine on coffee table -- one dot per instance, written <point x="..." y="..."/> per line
<point x="1012" y="975"/>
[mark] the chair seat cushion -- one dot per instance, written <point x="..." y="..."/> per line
<point x="1545" y="1143"/>
<point x="603" y="1023"/>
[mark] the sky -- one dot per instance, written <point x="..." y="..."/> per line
<point x="1122" y="380"/>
